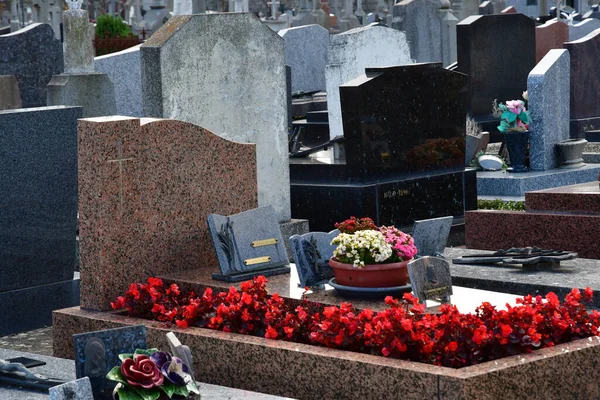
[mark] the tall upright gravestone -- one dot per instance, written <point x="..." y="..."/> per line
<point x="146" y="188"/>
<point x="488" y="58"/>
<point x="226" y="73"/>
<point x="32" y="55"/>
<point x="38" y="215"/>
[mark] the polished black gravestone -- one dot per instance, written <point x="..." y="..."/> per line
<point x="404" y="146"/>
<point x="496" y="52"/>
<point x="38" y="215"/>
<point x="585" y="85"/>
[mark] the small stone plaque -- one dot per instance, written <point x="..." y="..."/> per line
<point x="248" y="244"/>
<point x="431" y="235"/>
<point x="430" y="279"/>
<point x="97" y="352"/>
<point x="80" y="389"/>
<point x="311" y="253"/>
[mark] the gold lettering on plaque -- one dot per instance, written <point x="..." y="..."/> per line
<point x="264" y="242"/>
<point x="257" y="260"/>
<point x="435" y="291"/>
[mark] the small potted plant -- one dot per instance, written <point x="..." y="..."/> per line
<point x="514" y="120"/>
<point x="151" y="375"/>
<point x="371" y="256"/>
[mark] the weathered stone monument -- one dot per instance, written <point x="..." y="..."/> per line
<point x="80" y="85"/>
<point x="353" y="51"/>
<point x="226" y="73"/>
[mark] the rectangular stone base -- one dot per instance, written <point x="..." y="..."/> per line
<point x="580" y="127"/>
<point x="31" y="308"/>
<point x="499" y="183"/>
<point x="244" y="276"/>
<point x="305" y="371"/>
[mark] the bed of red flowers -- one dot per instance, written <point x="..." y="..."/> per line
<point x="403" y="330"/>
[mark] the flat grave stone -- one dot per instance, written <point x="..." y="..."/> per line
<point x="248" y="244"/>
<point x="311" y="253"/>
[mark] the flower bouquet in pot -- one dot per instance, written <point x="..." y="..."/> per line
<point x="152" y="375"/>
<point x="371" y="256"/>
<point x="514" y="123"/>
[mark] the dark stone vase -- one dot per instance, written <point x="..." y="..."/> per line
<point x="516" y="144"/>
<point x="569" y="153"/>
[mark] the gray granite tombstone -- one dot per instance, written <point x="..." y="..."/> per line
<point x="248" y="244"/>
<point x="486" y="8"/>
<point x="311" y="253"/>
<point x="431" y="235"/>
<point x="80" y="389"/>
<point x="33" y="55"/>
<point x="96" y="353"/>
<point x="430" y="279"/>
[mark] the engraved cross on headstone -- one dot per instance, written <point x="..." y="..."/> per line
<point x="120" y="160"/>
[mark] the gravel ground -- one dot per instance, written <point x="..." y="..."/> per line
<point x="38" y="341"/>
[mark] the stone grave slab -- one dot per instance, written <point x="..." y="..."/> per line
<point x="10" y="95"/>
<point x="585" y="107"/>
<point x="430" y="279"/>
<point x="548" y="91"/>
<point x="430" y="32"/>
<point x="353" y="51"/>
<point x="97" y="352"/>
<point x="222" y="56"/>
<point x="431" y="235"/>
<point x="33" y="55"/>
<point x="149" y="186"/>
<point x="312" y="252"/>
<point x="124" y="70"/>
<point x="583" y="28"/>
<point x="482" y="51"/>
<point x="79" y="389"/>
<point x="549" y="36"/>
<point x="306" y="52"/>
<point x="248" y="244"/>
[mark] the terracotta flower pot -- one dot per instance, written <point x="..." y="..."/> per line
<point x="374" y="276"/>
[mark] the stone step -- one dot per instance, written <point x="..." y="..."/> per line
<point x="582" y="198"/>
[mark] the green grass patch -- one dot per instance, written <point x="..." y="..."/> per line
<point x="498" y="204"/>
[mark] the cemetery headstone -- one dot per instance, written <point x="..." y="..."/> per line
<point x="549" y="36"/>
<point x="306" y="53"/>
<point x="475" y="144"/>
<point x="80" y="85"/>
<point x="149" y="187"/>
<point x="548" y="89"/>
<point x="583" y="28"/>
<point x="430" y="279"/>
<point x="427" y="25"/>
<point x="431" y="235"/>
<point x="312" y="252"/>
<point x="223" y="56"/>
<point x="10" y="95"/>
<point x="38" y="221"/>
<point x="124" y="70"/>
<point x="585" y="107"/>
<point x="248" y="244"/>
<point x="33" y="55"/>
<point x="509" y="10"/>
<point x="188" y="7"/>
<point x="97" y="352"/>
<point x="80" y="389"/>
<point x="353" y="51"/>
<point x="486" y="8"/>
<point x="484" y="56"/>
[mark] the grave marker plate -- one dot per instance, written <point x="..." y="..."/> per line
<point x="431" y="235"/>
<point x="430" y="279"/>
<point x="97" y="352"/>
<point x="248" y="244"/>
<point x="311" y="253"/>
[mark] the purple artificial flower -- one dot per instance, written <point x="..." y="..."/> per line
<point x="177" y="372"/>
<point x="160" y="358"/>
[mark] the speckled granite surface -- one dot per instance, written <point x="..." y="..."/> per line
<point x="306" y="372"/>
<point x="495" y="230"/>
<point x="584" y="198"/>
<point x="498" y="183"/>
<point x="145" y="192"/>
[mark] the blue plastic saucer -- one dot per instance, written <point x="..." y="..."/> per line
<point x="353" y="291"/>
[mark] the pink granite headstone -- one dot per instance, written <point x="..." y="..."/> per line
<point x="146" y="188"/>
<point x="550" y="36"/>
<point x="509" y="10"/>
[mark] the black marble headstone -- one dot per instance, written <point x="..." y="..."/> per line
<point x="409" y="118"/>
<point x="497" y="52"/>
